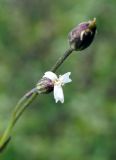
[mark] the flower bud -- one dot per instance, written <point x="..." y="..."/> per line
<point x="45" y="85"/>
<point x="82" y="35"/>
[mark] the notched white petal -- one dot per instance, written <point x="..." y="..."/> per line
<point x="65" y="78"/>
<point x="52" y="76"/>
<point x="58" y="93"/>
<point x="58" y="83"/>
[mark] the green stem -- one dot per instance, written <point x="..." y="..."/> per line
<point x="24" y="102"/>
<point x="19" y="109"/>
<point x="62" y="59"/>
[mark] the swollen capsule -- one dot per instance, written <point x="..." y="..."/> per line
<point x="82" y="35"/>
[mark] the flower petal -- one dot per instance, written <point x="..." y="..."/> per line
<point x="52" y="76"/>
<point x="65" y="78"/>
<point x="58" y="93"/>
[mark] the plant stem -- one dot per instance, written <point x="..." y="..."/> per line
<point x="19" y="109"/>
<point x="24" y="102"/>
<point x="62" y="59"/>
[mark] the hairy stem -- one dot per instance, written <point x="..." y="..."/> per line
<point x="62" y="59"/>
<point x="19" y="109"/>
<point x="24" y="102"/>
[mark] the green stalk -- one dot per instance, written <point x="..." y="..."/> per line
<point x="19" y="109"/>
<point x="62" y="59"/>
<point x="24" y="102"/>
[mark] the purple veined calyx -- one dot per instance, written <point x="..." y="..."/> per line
<point x="82" y="35"/>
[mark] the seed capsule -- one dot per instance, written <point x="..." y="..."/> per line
<point x="82" y="35"/>
<point x="45" y="85"/>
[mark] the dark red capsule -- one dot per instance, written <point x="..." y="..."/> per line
<point x="82" y="35"/>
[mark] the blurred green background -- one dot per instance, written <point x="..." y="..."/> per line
<point x="33" y="35"/>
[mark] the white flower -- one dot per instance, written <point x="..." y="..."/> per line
<point x="58" y="83"/>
